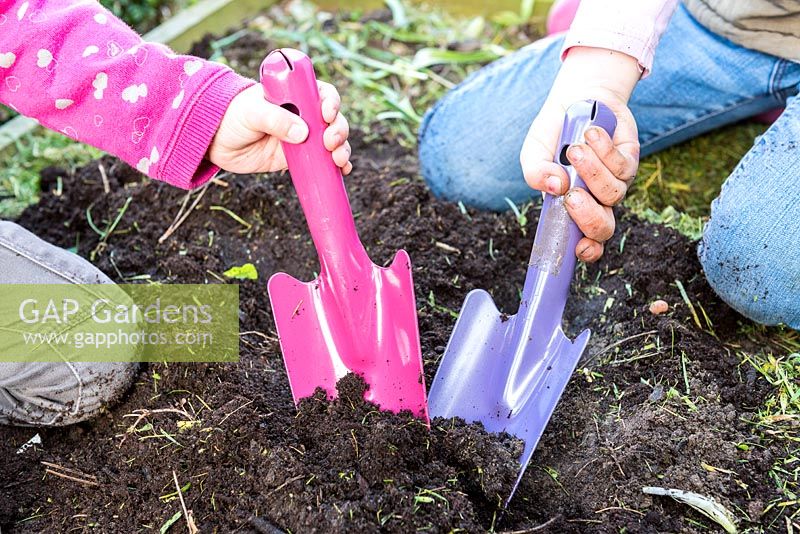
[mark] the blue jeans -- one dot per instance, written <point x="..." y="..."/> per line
<point x="470" y="143"/>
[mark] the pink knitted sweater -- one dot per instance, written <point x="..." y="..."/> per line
<point x="79" y="70"/>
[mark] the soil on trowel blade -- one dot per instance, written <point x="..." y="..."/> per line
<point x="657" y="400"/>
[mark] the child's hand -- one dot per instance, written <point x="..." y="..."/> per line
<point x="607" y="166"/>
<point x="249" y="136"/>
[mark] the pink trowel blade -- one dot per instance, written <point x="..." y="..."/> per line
<point x="355" y="317"/>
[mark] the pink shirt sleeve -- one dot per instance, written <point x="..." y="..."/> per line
<point x="632" y="27"/>
<point x="79" y="70"/>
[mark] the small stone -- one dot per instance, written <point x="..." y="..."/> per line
<point x="657" y="394"/>
<point x="657" y="307"/>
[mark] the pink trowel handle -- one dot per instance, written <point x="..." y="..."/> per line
<point x="288" y="79"/>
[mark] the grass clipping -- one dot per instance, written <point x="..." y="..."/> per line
<point x="705" y="505"/>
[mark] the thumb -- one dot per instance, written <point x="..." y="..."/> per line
<point x="538" y="153"/>
<point x="274" y="120"/>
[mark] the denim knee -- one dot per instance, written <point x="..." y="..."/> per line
<point x="470" y="141"/>
<point x="750" y="268"/>
<point x="748" y="250"/>
<point x="459" y="165"/>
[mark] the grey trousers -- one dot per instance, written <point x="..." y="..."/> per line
<point x="57" y="393"/>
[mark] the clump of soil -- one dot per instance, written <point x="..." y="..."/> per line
<point x="255" y="463"/>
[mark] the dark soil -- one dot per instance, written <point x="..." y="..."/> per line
<point x="256" y="464"/>
<point x="631" y="418"/>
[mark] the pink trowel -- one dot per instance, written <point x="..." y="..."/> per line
<point x="355" y="316"/>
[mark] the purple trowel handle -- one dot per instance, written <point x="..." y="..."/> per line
<point x="579" y="117"/>
<point x="289" y="81"/>
<point x="557" y="235"/>
<point x="553" y="258"/>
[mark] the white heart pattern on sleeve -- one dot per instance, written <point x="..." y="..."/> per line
<point x="13" y="83"/>
<point x="7" y="59"/>
<point x="44" y="60"/>
<point x="192" y="66"/>
<point x="140" y="126"/>
<point x="21" y="11"/>
<point x="37" y="16"/>
<point x="100" y="83"/>
<point x="176" y="102"/>
<point x="139" y="54"/>
<point x="133" y="93"/>
<point x="113" y="49"/>
<point x="144" y="164"/>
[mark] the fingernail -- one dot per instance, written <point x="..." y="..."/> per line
<point x="553" y="185"/>
<point x="583" y="252"/>
<point x="576" y="153"/>
<point x="573" y="199"/>
<point x="297" y="133"/>
<point x="592" y="134"/>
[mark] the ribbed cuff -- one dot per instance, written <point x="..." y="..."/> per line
<point x="185" y="165"/>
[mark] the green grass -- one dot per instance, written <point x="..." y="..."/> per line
<point x="6" y="114"/>
<point x="775" y="423"/>
<point x="676" y="186"/>
<point x="19" y="172"/>
<point x="390" y="72"/>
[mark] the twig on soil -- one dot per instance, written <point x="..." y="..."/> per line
<point x="611" y="451"/>
<point x="618" y="508"/>
<point x="186" y="513"/>
<point x="181" y="217"/>
<point x="537" y="528"/>
<point x="587" y="464"/>
<point x="142" y="413"/>
<point x="232" y="215"/>
<point x="621" y="341"/>
<point x="355" y="441"/>
<point x="55" y="469"/>
<point x="260" y="334"/>
<point x="636" y="358"/>
<point x="104" y="176"/>
<point x="74" y="479"/>
<point x="236" y="410"/>
<point x="688" y="302"/>
<point x="293" y="479"/>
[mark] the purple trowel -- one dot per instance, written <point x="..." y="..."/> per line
<point x="508" y="372"/>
